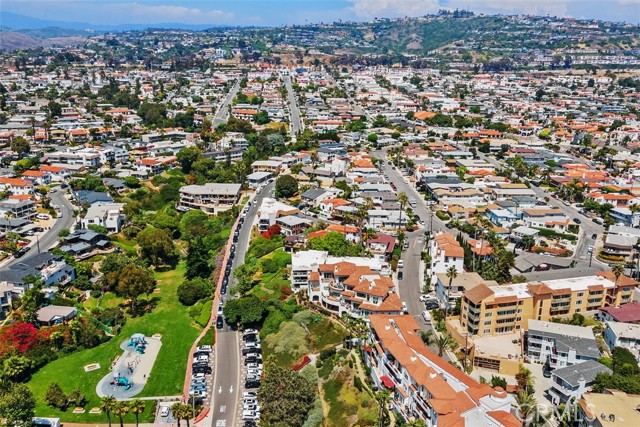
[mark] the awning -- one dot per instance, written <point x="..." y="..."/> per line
<point x="386" y="381"/>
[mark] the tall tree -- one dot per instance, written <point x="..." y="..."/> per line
<point x="403" y="199"/>
<point x="135" y="281"/>
<point x="137" y="407"/>
<point x="17" y="406"/>
<point x="286" y="397"/>
<point x="107" y="404"/>
<point x="452" y="273"/>
<point x="120" y="410"/>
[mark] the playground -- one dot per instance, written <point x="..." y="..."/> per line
<point x="130" y="372"/>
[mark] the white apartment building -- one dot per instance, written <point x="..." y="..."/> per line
<point x="445" y="252"/>
<point x="211" y="198"/>
<point x="627" y="335"/>
<point x="560" y="345"/>
<point x="356" y="286"/>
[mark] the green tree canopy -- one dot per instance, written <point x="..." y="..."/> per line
<point x="246" y="310"/>
<point x="336" y="244"/>
<point x="286" y="186"/>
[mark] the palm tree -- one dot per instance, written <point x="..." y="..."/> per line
<point x="443" y="342"/>
<point x="188" y="412"/>
<point x="383" y="397"/>
<point x="452" y="273"/>
<point x="403" y="199"/>
<point x="137" y="407"/>
<point x="107" y="404"/>
<point x="618" y="270"/>
<point x="120" y="410"/>
<point x="178" y="412"/>
<point x="527" y="406"/>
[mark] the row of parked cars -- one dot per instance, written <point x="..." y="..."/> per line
<point x="201" y="367"/>
<point x="252" y="352"/>
<point x="232" y="252"/>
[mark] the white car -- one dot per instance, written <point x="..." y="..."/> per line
<point x="43" y="216"/>
<point x="426" y="316"/>
<point x="198" y="393"/>
<point x="249" y="401"/>
<point x="205" y="349"/>
<point x="400" y="264"/>
<point x="198" y="381"/>
<point x="249" y="331"/>
<point x="249" y="395"/>
<point x="254" y="372"/>
<point x="202" y="358"/>
<point x="250" y="415"/>
<point x="254" y="366"/>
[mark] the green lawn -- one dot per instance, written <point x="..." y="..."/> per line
<point x="108" y="300"/>
<point x="169" y="318"/>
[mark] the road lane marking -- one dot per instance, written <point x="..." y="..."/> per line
<point x="220" y="390"/>
<point x="221" y="423"/>
<point x="231" y="389"/>
<point x="223" y="408"/>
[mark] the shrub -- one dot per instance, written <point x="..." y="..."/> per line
<point x="191" y="291"/>
<point x="327" y="353"/>
<point x="55" y="397"/>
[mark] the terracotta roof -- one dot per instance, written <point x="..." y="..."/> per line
<point x="479" y="293"/>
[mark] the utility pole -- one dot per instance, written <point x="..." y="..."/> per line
<point x="38" y="242"/>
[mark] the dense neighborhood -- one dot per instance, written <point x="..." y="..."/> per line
<point x="261" y="232"/>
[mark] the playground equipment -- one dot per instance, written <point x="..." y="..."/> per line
<point x="121" y="381"/>
<point x="138" y="342"/>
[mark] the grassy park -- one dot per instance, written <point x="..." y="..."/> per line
<point x="169" y="318"/>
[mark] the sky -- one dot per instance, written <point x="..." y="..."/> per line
<point x="279" y="12"/>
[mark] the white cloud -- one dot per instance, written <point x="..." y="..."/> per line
<point x="168" y="13"/>
<point x="390" y="8"/>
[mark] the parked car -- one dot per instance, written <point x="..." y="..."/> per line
<point x="249" y="331"/>
<point x="164" y="411"/>
<point x="431" y="305"/>
<point x="253" y="359"/>
<point x="577" y="220"/>
<point x="205" y="349"/>
<point x="400" y="263"/>
<point x="199" y="393"/>
<point x="426" y="316"/>
<point x="249" y="394"/>
<point x="400" y="275"/>
<point x="219" y="322"/>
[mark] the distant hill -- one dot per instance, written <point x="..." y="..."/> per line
<point x="22" y="23"/>
<point x="13" y="40"/>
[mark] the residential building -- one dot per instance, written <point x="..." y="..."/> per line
<point x="625" y="335"/>
<point x="571" y="382"/>
<point x="425" y="386"/>
<point x="626" y="313"/>
<point x="353" y="285"/>
<point x="52" y="269"/>
<point x="292" y="225"/>
<point x="18" y="208"/>
<point x="271" y="210"/>
<point x="86" y="157"/>
<point x="445" y="252"/>
<point x="449" y="294"/>
<point x="559" y="345"/>
<point x="211" y="198"/>
<point x="272" y="166"/>
<point x="17" y="186"/>
<point x="55" y="314"/>
<point x="491" y="310"/>
<point x="108" y="215"/>
<point x="83" y="243"/>
<point x="611" y="408"/>
<point x="57" y="173"/>
<point x="257" y="179"/>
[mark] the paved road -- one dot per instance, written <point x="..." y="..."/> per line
<point x="222" y="114"/>
<point x="296" y="124"/>
<point x="228" y="381"/>
<point x="50" y="237"/>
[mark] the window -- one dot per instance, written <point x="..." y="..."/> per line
<point x="579" y="302"/>
<point x="486" y="331"/>
<point x="488" y="322"/>
<point x="519" y="310"/>
<point x="488" y="314"/>
<point x="580" y="294"/>
<point x="578" y="310"/>
<point x="518" y="319"/>
<point x="464" y="316"/>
